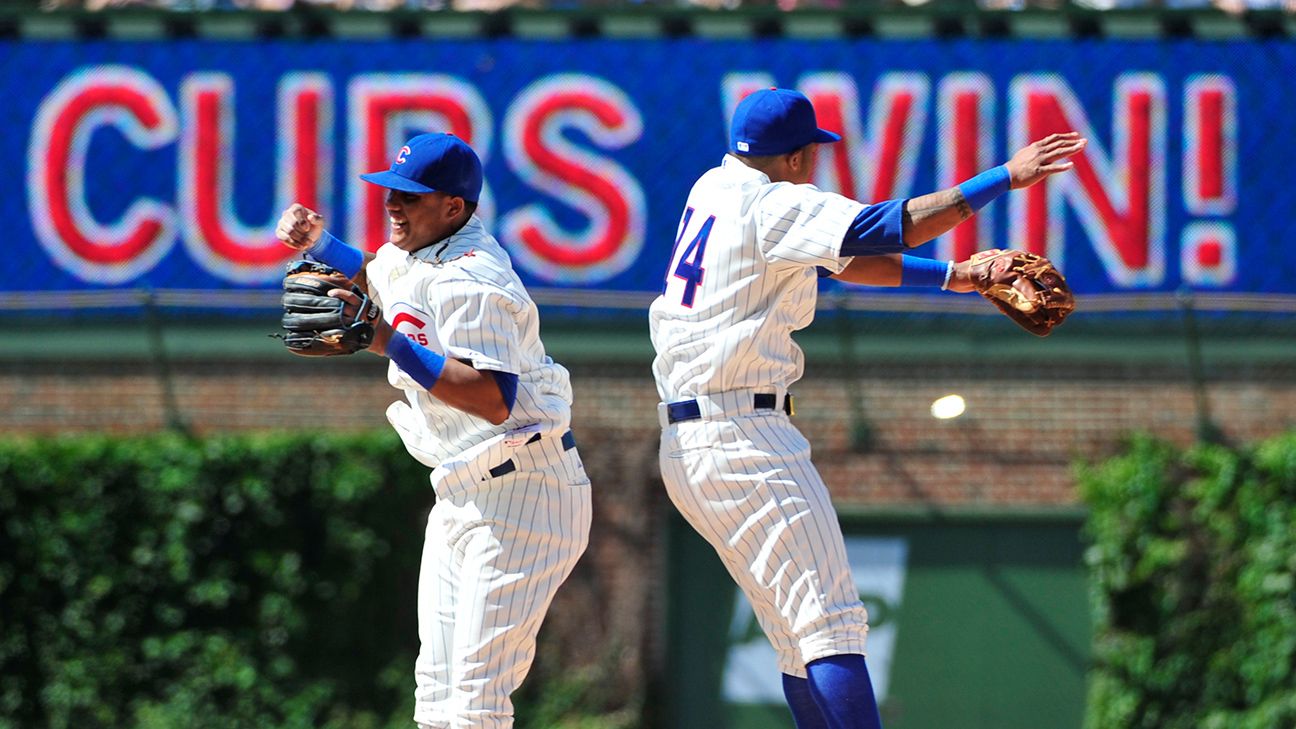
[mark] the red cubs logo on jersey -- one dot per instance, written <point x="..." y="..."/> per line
<point x="402" y="155"/>
<point x="411" y="322"/>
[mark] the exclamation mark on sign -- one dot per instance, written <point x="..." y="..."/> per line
<point x="1208" y="251"/>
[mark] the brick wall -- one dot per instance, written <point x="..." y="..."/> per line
<point x="1017" y="443"/>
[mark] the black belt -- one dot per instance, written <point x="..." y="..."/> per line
<point x="689" y="409"/>
<point x="568" y="443"/>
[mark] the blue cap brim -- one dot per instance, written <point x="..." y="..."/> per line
<point x="824" y="136"/>
<point x="393" y="181"/>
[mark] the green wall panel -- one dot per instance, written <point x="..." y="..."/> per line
<point x="977" y="622"/>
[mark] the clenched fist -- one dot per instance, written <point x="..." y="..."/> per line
<point x="299" y="227"/>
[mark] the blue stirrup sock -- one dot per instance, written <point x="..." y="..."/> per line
<point x="841" y="687"/>
<point x="805" y="712"/>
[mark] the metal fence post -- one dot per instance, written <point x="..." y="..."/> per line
<point x="1207" y="430"/>
<point x="862" y="437"/>
<point x="162" y="363"/>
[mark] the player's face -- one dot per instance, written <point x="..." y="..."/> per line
<point x="418" y="221"/>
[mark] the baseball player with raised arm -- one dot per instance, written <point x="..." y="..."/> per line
<point x="486" y="409"/>
<point x="753" y="240"/>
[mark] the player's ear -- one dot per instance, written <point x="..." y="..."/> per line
<point x="454" y="207"/>
<point x="802" y="162"/>
<point x="799" y="160"/>
<point x="792" y="160"/>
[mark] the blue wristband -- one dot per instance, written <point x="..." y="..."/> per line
<point x="916" y="271"/>
<point x="985" y="187"/>
<point x="337" y="254"/>
<point x="415" y="360"/>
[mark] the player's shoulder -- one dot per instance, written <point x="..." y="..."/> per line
<point x="778" y="198"/>
<point x="732" y="173"/>
<point x="729" y="184"/>
<point x="388" y="264"/>
<point x="478" y="264"/>
<point x="473" y="252"/>
<point x="388" y="255"/>
<point x="791" y="191"/>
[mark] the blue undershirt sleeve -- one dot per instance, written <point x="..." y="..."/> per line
<point x="508" y="384"/>
<point x="877" y="230"/>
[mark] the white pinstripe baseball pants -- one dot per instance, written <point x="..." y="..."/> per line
<point x="743" y="479"/>
<point x="494" y="554"/>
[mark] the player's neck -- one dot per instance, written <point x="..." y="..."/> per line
<point x="441" y="237"/>
<point x="778" y="168"/>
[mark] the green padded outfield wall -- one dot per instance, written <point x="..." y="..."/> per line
<point x="977" y="622"/>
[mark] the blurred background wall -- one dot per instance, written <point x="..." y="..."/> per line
<point x="150" y="150"/>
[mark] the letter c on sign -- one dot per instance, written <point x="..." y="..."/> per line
<point x="135" y="105"/>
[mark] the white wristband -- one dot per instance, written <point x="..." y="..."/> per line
<point x="949" y="273"/>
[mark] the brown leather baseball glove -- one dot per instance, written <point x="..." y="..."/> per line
<point x="1026" y="287"/>
<point x="315" y="324"/>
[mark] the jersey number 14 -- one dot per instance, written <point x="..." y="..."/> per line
<point x="689" y="267"/>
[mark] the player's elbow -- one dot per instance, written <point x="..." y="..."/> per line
<point x="497" y="414"/>
<point x="506" y="386"/>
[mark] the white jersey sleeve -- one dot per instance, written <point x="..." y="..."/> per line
<point x="476" y="320"/>
<point x="801" y="225"/>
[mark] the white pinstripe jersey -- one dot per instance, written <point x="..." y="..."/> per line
<point x="741" y="279"/>
<point x="462" y="297"/>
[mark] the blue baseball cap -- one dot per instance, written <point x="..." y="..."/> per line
<point x="433" y="163"/>
<point x="775" y="121"/>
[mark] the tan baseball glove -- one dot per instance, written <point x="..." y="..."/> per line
<point x="1026" y="287"/>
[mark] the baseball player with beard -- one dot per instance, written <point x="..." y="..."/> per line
<point x="754" y="238"/>
<point x="485" y="409"/>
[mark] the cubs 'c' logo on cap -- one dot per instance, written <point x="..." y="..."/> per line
<point x="400" y="156"/>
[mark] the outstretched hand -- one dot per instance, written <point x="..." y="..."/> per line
<point x="1044" y="157"/>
